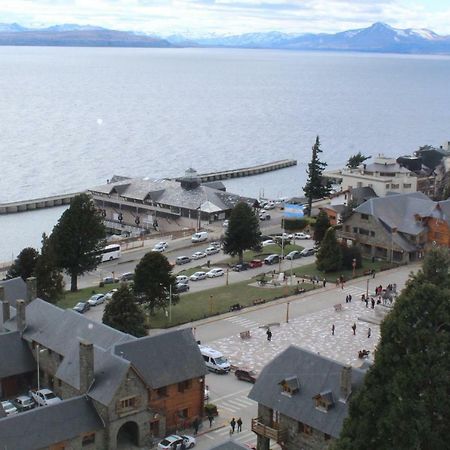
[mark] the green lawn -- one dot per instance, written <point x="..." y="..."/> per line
<point x="72" y="298"/>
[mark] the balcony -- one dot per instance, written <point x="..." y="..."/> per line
<point x="273" y="432"/>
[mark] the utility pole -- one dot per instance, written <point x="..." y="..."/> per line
<point x="287" y="311"/>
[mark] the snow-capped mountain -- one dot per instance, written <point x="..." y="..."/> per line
<point x="11" y="28"/>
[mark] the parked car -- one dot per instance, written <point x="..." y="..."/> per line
<point x="82" y="307"/>
<point x="272" y="259"/>
<point x="160" y="247"/>
<point x="264" y="216"/>
<point x="174" y="441"/>
<point x="182" y="260"/>
<point x="269" y="205"/>
<point x="109" y="295"/>
<point x="246" y="375"/>
<point x="217" y="272"/>
<point x="44" y="397"/>
<point x="241" y="267"/>
<point x="96" y="299"/>
<point x="198" y="255"/>
<point x="215" y="244"/>
<point x="255" y="263"/>
<point x="182" y="279"/>
<point x="9" y="408"/>
<point x="308" y="252"/>
<point x="295" y="254"/>
<point x="127" y="276"/>
<point x="301" y="236"/>
<point x="268" y="242"/>
<point x="198" y="276"/>
<point x="24" y="403"/>
<point x="181" y="287"/>
<point x="212" y="250"/>
<point x="110" y="280"/>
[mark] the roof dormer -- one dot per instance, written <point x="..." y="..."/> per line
<point x="289" y="386"/>
<point x="324" y="401"/>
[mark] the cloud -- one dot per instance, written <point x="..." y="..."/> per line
<point x="231" y="16"/>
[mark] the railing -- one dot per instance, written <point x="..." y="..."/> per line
<point x="273" y="432"/>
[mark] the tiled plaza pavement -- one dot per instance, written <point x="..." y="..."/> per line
<point x="312" y="331"/>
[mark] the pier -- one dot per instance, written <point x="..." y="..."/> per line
<point x="37" y="203"/>
<point x="247" y="171"/>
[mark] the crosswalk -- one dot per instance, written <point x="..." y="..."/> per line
<point x="234" y="405"/>
<point x="242" y="322"/>
<point x="354" y="291"/>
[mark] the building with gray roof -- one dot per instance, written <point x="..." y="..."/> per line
<point x="398" y="227"/>
<point x="302" y="400"/>
<point x="121" y="385"/>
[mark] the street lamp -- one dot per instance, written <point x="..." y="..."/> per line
<point x="354" y="266"/>
<point x="38" y="352"/>
<point x="282" y="245"/>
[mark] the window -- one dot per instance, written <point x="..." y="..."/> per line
<point x="355" y="230"/>
<point x="162" y="392"/>
<point x="372" y="233"/>
<point x="303" y="428"/>
<point x="364" y="232"/>
<point x="407" y="185"/>
<point x="184" y="385"/>
<point x="183" y="413"/>
<point x="364" y="217"/>
<point x="395" y="186"/>
<point x="326" y="437"/>
<point x="88" y="439"/>
<point x="347" y="228"/>
<point x="128" y="403"/>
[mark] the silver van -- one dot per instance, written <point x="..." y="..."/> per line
<point x="182" y="260"/>
<point x="200" y="236"/>
<point x="214" y="360"/>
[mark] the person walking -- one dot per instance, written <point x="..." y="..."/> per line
<point x="354" y="328"/>
<point x="239" y="425"/>
<point x="183" y="445"/>
<point x="232" y="425"/>
<point x="269" y="334"/>
<point x="195" y="425"/>
<point x="367" y="302"/>
<point x="211" y="420"/>
<point x="369" y="333"/>
<point x="349" y="298"/>
<point x="324" y="282"/>
<point x="372" y="300"/>
<point x="332" y="329"/>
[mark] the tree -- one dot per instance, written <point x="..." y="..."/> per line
<point x="350" y="253"/>
<point x="78" y="237"/>
<point x="23" y="266"/>
<point x="123" y="313"/>
<point x="295" y="224"/>
<point x="243" y="231"/>
<point x="403" y="403"/>
<point x="316" y="186"/>
<point x="50" y="283"/>
<point x="355" y="160"/>
<point x="321" y="226"/>
<point x="153" y="280"/>
<point x="348" y="210"/>
<point x="329" y="256"/>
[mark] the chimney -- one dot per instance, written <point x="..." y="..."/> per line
<point x="2" y="294"/>
<point x="5" y="310"/>
<point x="31" y="289"/>
<point x="20" y="316"/>
<point x="345" y="384"/>
<point x="86" y="366"/>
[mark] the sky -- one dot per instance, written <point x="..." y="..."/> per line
<point x="230" y="16"/>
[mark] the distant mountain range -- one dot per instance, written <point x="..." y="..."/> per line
<point x="379" y="37"/>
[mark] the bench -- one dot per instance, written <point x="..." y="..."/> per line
<point x="259" y="301"/>
<point x="245" y="334"/>
<point x="338" y="307"/>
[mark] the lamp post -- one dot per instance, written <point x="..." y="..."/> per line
<point x="38" y="352"/>
<point x="282" y="245"/>
<point x="354" y="266"/>
<point x="367" y="288"/>
<point x="287" y="311"/>
<point x="393" y="231"/>
<point x="170" y="303"/>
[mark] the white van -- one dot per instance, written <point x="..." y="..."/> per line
<point x="200" y="236"/>
<point x="214" y="360"/>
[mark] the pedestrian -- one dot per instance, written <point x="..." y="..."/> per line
<point x="211" y="420"/>
<point x="195" y="425"/>
<point x="372" y="300"/>
<point x="373" y="273"/>
<point x="363" y="297"/>
<point x="354" y="329"/>
<point x="367" y="302"/>
<point x="269" y="334"/>
<point x="337" y="282"/>
<point x="239" y="425"/>
<point x="183" y="445"/>
<point x="332" y="329"/>
<point x="232" y="425"/>
<point x="324" y="282"/>
<point x="369" y="332"/>
<point x="346" y="299"/>
<point x="349" y="298"/>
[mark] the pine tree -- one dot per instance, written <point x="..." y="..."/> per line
<point x="78" y="237"/>
<point x="50" y="283"/>
<point x="329" y="256"/>
<point x="153" y="280"/>
<point x="123" y="313"/>
<point x="24" y="264"/>
<point x="403" y="403"/>
<point x="316" y="186"/>
<point x="243" y="231"/>
<point x="321" y="226"/>
<point x="355" y="160"/>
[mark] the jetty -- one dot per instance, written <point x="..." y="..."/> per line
<point x="247" y="171"/>
<point x="64" y="199"/>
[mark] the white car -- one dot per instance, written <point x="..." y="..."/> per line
<point x="44" y="397"/>
<point x="268" y="242"/>
<point x="9" y="408"/>
<point x="215" y="273"/>
<point x="160" y="247"/>
<point x="198" y="276"/>
<point x="269" y="206"/>
<point x="198" y="255"/>
<point x="301" y="236"/>
<point x="174" y="441"/>
<point x="182" y="279"/>
<point x="109" y="295"/>
<point x="96" y="299"/>
<point x="212" y="250"/>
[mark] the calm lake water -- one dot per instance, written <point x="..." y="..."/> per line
<point x="70" y="118"/>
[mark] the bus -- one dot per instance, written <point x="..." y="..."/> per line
<point x="110" y="252"/>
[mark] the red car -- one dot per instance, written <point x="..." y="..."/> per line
<point x="246" y="375"/>
<point x="255" y="263"/>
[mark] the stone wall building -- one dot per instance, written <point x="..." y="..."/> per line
<point x="105" y="377"/>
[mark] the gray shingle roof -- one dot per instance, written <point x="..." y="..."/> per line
<point x="15" y="288"/>
<point x="15" y="355"/>
<point x="160" y="368"/>
<point x="316" y="374"/>
<point x="42" y="427"/>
